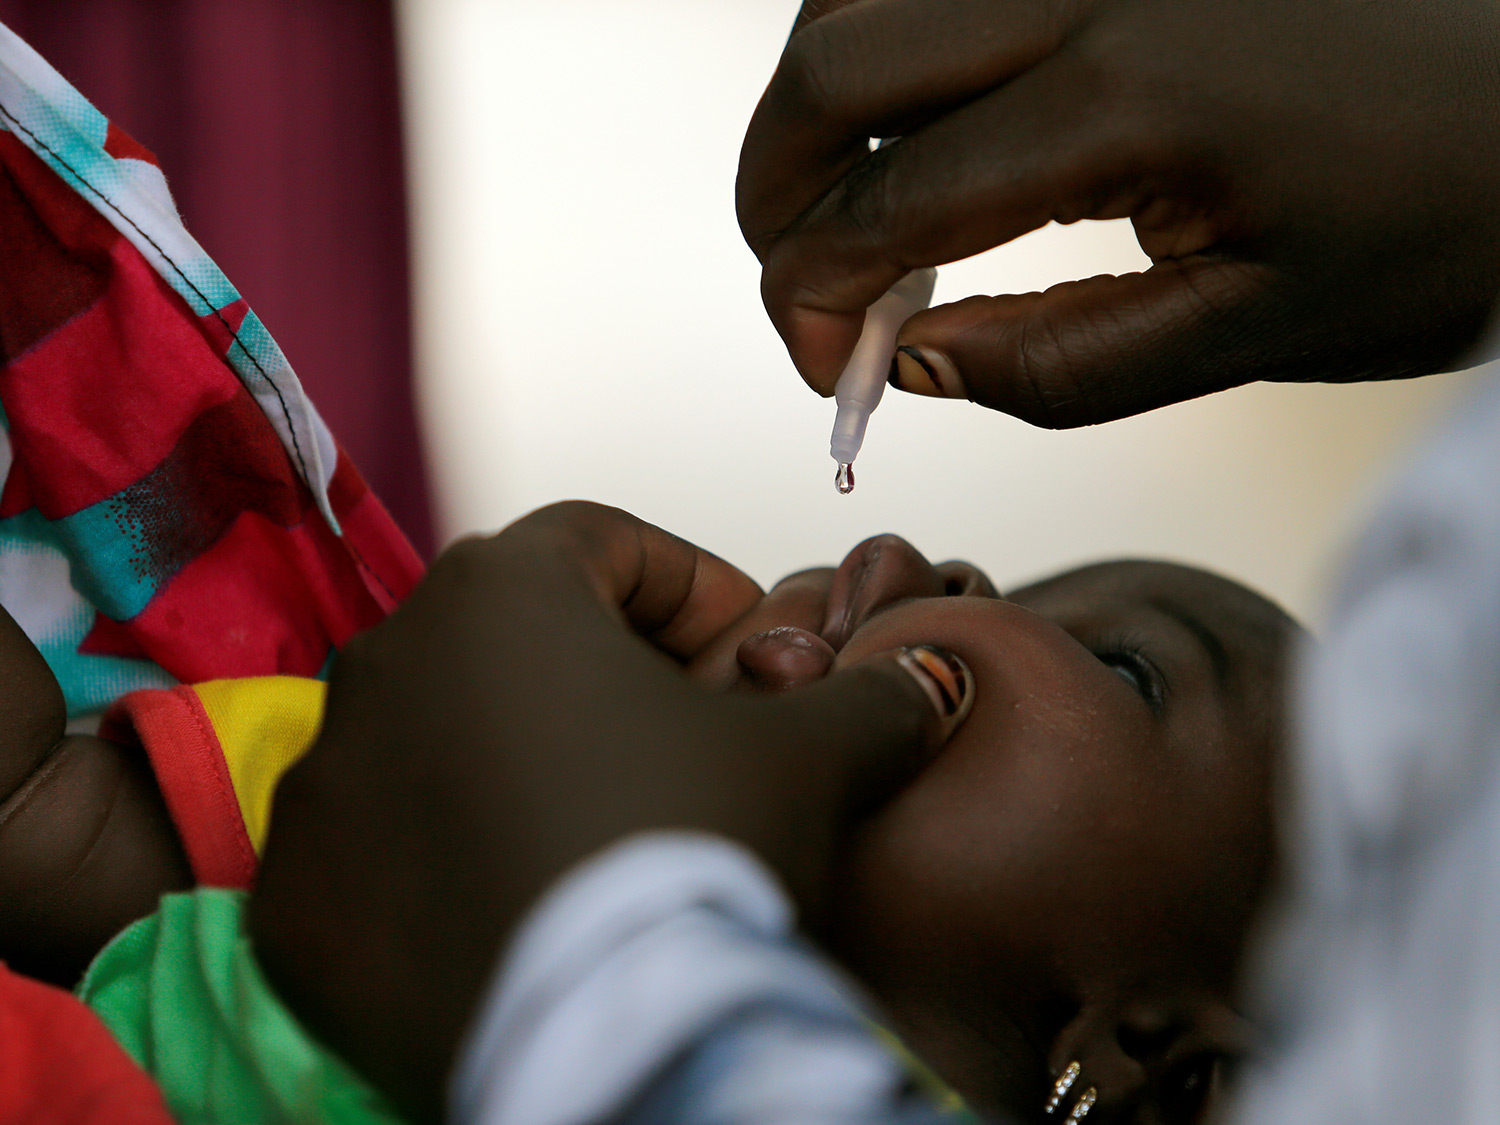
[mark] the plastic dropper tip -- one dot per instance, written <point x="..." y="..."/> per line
<point x="844" y="479"/>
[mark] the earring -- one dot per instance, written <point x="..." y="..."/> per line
<point x="1060" y="1090"/>
<point x="1085" y="1103"/>
<point x="1063" y="1084"/>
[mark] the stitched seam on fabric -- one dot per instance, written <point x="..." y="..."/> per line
<point x="285" y="410"/>
<point x="219" y="768"/>
<point x="375" y="574"/>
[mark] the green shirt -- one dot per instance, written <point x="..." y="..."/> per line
<point x="182" y="992"/>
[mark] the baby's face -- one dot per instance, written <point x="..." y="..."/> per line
<point x="1073" y="875"/>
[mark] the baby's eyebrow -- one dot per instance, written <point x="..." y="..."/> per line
<point x="1207" y="639"/>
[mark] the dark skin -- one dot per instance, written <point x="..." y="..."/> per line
<point x="522" y="710"/>
<point x="86" y="845"/>
<point x="1105" y="743"/>
<point x="1073" y="877"/>
<point x="447" y="754"/>
<point x="1312" y="180"/>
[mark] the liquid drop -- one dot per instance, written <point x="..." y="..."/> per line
<point x="844" y="479"/>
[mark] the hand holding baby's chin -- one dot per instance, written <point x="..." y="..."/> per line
<point x="516" y="716"/>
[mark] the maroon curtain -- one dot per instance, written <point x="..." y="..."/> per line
<point x="278" y="123"/>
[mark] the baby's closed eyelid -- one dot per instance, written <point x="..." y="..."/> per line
<point x="1129" y="660"/>
<point x="1139" y="672"/>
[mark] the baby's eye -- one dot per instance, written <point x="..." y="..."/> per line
<point x="1137" y="671"/>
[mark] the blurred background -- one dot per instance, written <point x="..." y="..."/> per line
<point x="584" y="320"/>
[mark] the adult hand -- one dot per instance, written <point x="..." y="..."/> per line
<point x="525" y="708"/>
<point x="1316" y="182"/>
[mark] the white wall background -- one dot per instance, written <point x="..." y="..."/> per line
<point x="589" y="325"/>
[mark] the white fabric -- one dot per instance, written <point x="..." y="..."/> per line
<point x="1382" y="987"/>
<point x="659" y="982"/>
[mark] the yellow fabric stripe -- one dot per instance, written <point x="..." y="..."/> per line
<point x="265" y="724"/>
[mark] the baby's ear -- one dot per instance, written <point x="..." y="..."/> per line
<point x="32" y="713"/>
<point x="1167" y="1057"/>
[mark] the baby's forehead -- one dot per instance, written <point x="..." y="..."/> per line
<point x="1244" y="619"/>
<point x="1125" y="579"/>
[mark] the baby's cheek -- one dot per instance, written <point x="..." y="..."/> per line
<point x="1038" y="692"/>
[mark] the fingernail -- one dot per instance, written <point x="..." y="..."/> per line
<point x="923" y="371"/>
<point x="944" y="677"/>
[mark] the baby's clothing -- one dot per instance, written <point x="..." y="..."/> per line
<point x="670" y="963"/>
<point x="60" y="1066"/>
<point x="182" y="992"/>
<point x="218" y="749"/>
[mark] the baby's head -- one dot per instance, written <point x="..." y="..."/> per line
<point x="1073" y="876"/>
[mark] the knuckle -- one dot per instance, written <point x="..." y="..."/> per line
<point x="867" y="202"/>
<point x="815" y="80"/>
<point x="577" y="524"/>
<point x="577" y="515"/>
<point x="1050" y="393"/>
<point x="463" y="556"/>
<point x="571" y="534"/>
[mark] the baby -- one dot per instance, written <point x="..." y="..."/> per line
<point x="1073" y="877"/>
<point x="1070" y="879"/>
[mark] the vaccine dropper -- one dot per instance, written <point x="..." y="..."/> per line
<point x="860" y="386"/>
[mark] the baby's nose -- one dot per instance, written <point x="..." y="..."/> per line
<point x="879" y="571"/>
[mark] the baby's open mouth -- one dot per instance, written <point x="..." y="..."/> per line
<point x="793" y="637"/>
<point x="878" y="573"/>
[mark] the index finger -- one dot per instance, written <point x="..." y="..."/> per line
<point x="855" y="71"/>
<point x="873" y="68"/>
<point x="670" y="591"/>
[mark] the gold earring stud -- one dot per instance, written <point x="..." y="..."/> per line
<point x="1063" y="1084"/>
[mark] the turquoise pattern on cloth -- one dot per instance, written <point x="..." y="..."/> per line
<point x="209" y="537"/>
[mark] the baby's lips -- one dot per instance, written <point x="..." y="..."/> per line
<point x="946" y="679"/>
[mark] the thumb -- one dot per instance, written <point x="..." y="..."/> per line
<point x="875" y="724"/>
<point x="1092" y="351"/>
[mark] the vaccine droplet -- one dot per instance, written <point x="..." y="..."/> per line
<point x="844" y="479"/>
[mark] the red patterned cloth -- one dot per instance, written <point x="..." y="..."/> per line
<point x="174" y="508"/>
